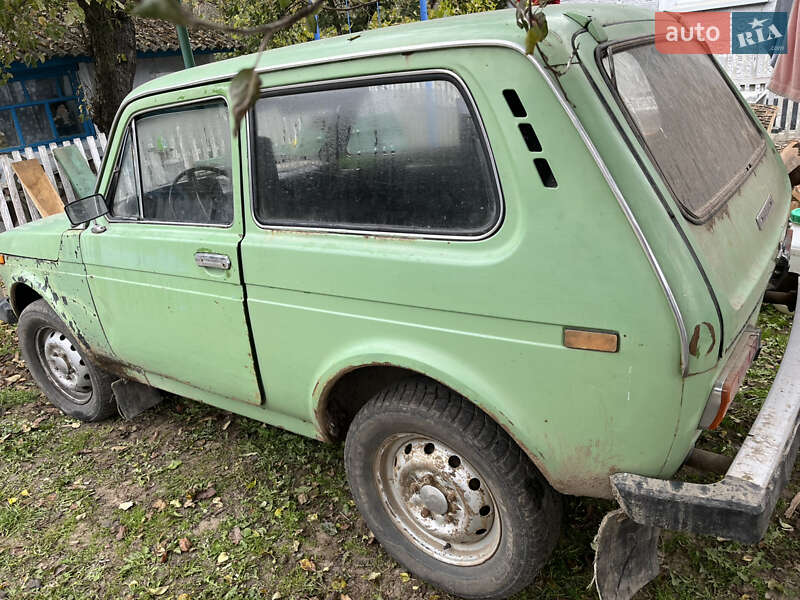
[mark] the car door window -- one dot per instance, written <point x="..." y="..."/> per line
<point x="183" y="168"/>
<point x="124" y="202"/>
<point x="403" y="157"/>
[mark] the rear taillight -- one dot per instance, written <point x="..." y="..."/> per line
<point x="731" y="378"/>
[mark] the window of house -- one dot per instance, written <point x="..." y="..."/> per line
<point x="182" y="172"/>
<point x="396" y="157"/>
<point x="39" y="108"/>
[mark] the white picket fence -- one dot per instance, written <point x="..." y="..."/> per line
<point x="13" y="212"/>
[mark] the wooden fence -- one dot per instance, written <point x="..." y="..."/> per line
<point x="15" y="212"/>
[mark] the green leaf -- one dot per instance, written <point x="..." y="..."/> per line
<point x="169" y="10"/>
<point x="311" y="24"/>
<point x="244" y="93"/>
<point x="284" y="3"/>
<point x="536" y="33"/>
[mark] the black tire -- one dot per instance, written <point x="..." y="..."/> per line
<point x="95" y="405"/>
<point x="529" y="509"/>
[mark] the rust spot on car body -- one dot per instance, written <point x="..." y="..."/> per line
<point x="694" y="343"/>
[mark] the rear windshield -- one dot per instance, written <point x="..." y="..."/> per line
<point x="693" y="124"/>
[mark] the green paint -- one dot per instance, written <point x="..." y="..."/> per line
<point x="483" y="317"/>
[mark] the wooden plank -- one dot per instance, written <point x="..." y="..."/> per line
<point x="12" y="190"/>
<point x="63" y="176"/>
<point x="29" y="153"/>
<point x="32" y="210"/>
<point x="95" y="154"/>
<point x="4" y="214"/>
<point x="73" y="164"/>
<point x="79" y="146"/>
<point x="44" y="158"/>
<point x="102" y="142"/>
<point x="35" y="182"/>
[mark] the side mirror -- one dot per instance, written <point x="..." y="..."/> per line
<point x="84" y="210"/>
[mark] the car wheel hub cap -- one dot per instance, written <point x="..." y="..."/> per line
<point x="63" y="364"/>
<point x="438" y="499"/>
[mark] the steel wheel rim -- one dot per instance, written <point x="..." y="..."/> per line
<point x="64" y="365"/>
<point x="437" y="499"/>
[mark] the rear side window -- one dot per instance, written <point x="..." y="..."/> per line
<point x="694" y="126"/>
<point x="397" y="157"/>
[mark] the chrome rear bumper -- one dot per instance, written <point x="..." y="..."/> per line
<point x="740" y="506"/>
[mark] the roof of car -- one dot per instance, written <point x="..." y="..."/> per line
<point x="495" y="26"/>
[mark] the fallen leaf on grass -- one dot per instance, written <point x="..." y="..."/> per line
<point x="121" y="532"/>
<point x="159" y="505"/>
<point x="175" y="503"/>
<point x="184" y="597"/>
<point x="13" y="378"/>
<point x="307" y="565"/>
<point x="25" y="493"/>
<point x="184" y="544"/>
<point x="174" y="465"/>
<point x="126" y="505"/>
<point x="792" y="506"/>
<point x="302" y="498"/>
<point x="222" y="558"/>
<point x="226" y="425"/>
<point x="372" y="576"/>
<point x="158" y="591"/>
<point x="344" y="597"/>
<point x="276" y="596"/>
<point x="405" y="577"/>
<point x="236" y="535"/>
<point x="207" y="493"/>
<point x="12" y="501"/>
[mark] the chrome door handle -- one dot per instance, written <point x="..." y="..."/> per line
<point x="212" y="261"/>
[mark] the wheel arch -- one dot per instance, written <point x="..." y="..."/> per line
<point x="346" y="386"/>
<point x="21" y="295"/>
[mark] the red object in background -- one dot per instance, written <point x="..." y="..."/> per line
<point x="693" y="33"/>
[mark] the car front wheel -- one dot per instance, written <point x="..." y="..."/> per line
<point x="448" y="493"/>
<point x="68" y="379"/>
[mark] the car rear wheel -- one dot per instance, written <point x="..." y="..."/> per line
<point x="448" y="493"/>
<point x="68" y="379"/>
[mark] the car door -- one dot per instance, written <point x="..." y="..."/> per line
<point x="163" y="268"/>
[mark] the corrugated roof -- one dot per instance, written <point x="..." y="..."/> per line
<point x="151" y="36"/>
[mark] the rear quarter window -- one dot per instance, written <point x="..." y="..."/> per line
<point x="692" y="123"/>
<point x="402" y="156"/>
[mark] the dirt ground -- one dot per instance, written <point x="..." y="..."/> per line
<point x="190" y="502"/>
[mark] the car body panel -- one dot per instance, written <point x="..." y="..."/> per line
<point x="150" y="292"/>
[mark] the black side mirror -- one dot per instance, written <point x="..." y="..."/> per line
<point x="84" y="210"/>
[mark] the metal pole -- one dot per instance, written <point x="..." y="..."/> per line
<point x="316" y="22"/>
<point x="423" y="10"/>
<point x="186" y="47"/>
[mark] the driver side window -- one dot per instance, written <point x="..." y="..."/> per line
<point x="184" y="167"/>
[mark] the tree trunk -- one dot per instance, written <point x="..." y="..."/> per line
<point x="112" y="40"/>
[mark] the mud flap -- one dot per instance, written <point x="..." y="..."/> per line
<point x="626" y="556"/>
<point x="6" y="312"/>
<point x="134" y="398"/>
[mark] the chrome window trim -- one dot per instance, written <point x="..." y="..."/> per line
<point x="381" y="79"/>
<point x="132" y="123"/>
<point x="684" y="339"/>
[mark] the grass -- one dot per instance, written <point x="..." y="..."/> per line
<point x="190" y="502"/>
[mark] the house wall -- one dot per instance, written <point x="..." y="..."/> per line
<point x="147" y="68"/>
